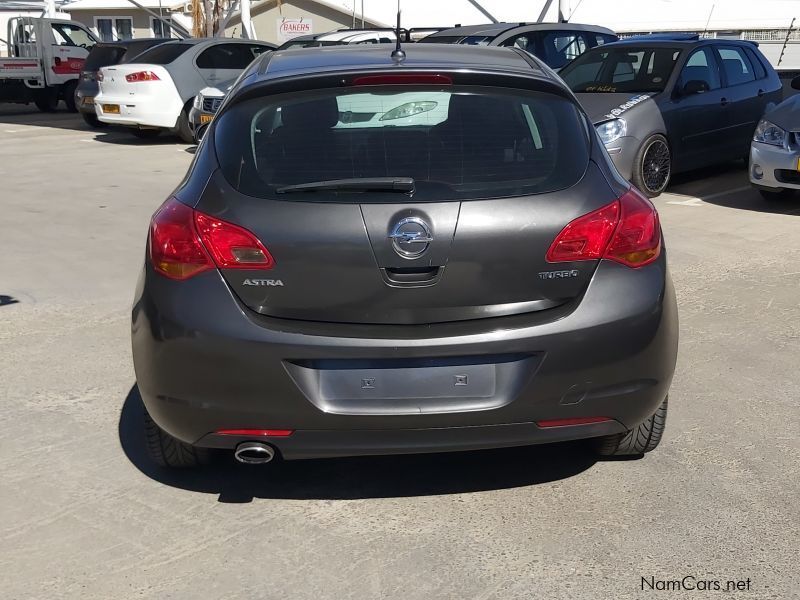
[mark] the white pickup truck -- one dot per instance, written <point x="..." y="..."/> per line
<point x="45" y="58"/>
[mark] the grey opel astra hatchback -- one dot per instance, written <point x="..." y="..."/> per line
<point x="377" y="253"/>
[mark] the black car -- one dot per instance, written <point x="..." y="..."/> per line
<point x="555" y="43"/>
<point x="664" y="104"/>
<point x="379" y="253"/>
<point x="104" y="54"/>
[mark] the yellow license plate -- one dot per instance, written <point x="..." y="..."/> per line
<point x="111" y="109"/>
<point x="205" y="119"/>
<point x="88" y="100"/>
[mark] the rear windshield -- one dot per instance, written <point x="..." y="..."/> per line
<point x="102" y="56"/>
<point x="455" y="143"/>
<point x="162" y="54"/>
<point x="622" y="69"/>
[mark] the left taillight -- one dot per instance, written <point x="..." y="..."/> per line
<point x="185" y="242"/>
<point x="99" y="76"/>
<point x="141" y="76"/>
<point x="626" y="231"/>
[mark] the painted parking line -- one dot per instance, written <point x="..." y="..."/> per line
<point x="695" y="201"/>
<point x="687" y="202"/>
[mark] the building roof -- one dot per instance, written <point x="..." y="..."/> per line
<point x="114" y="5"/>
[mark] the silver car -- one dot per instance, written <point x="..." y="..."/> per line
<point x="775" y="150"/>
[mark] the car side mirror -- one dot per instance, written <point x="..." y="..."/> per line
<point x="695" y="86"/>
<point x="796" y="83"/>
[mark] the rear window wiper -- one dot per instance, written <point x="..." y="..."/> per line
<point x="361" y="184"/>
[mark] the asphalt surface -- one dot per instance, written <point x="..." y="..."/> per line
<point x="84" y="515"/>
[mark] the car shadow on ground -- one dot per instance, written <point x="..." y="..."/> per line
<point x="710" y="185"/>
<point x="358" y="478"/>
<point x="122" y="136"/>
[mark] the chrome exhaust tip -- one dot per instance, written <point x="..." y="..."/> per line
<point x="254" y="453"/>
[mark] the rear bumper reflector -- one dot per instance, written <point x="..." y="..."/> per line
<point x="256" y="432"/>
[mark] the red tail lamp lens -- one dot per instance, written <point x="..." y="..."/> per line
<point x="231" y="246"/>
<point x="572" y="421"/>
<point x="175" y="248"/>
<point x="257" y="432"/>
<point x="637" y="240"/>
<point x="185" y="242"/>
<point x="141" y="76"/>
<point x="626" y="231"/>
<point x="586" y="237"/>
<point x="404" y="79"/>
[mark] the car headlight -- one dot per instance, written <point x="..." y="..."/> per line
<point x="409" y="109"/>
<point x="611" y="131"/>
<point x="769" y="133"/>
<point x="198" y="102"/>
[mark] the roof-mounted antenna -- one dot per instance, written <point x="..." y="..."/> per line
<point x="398" y="54"/>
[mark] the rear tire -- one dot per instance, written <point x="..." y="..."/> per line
<point x="146" y="134"/>
<point x="777" y="195"/>
<point x="637" y="441"/>
<point x="46" y="100"/>
<point x="68" y="93"/>
<point x="167" y="451"/>
<point x="182" y="129"/>
<point x="652" y="166"/>
<point x="92" y="121"/>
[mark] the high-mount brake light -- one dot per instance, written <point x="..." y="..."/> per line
<point x="185" y="242"/>
<point x="626" y="231"/>
<point x="404" y="79"/>
<point x="141" y="76"/>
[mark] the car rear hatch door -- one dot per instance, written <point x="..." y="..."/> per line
<point x="438" y="227"/>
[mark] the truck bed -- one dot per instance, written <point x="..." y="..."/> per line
<point x="21" y="68"/>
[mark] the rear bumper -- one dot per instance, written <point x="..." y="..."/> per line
<point x="772" y="160"/>
<point x="612" y="354"/>
<point x="336" y="443"/>
<point x="145" y="111"/>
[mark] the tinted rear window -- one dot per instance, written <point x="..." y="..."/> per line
<point x="621" y="69"/>
<point x="162" y="54"/>
<point x="102" y="56"/>
<point x="456" y="143"/>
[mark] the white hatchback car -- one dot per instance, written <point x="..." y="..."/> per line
<point x="155" y="93"/>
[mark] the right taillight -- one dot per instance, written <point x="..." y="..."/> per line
<point x="185" y="242"/>
<point x="140" y="76"/>
<point x="626" y="231"/>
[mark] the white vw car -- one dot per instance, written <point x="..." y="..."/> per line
<point x="155" y="93"/>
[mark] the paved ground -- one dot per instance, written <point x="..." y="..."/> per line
<point x="83" y="515"/>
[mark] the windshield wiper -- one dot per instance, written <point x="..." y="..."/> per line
<point x="361" y="184"/>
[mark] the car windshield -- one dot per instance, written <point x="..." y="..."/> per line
<point x="163" y="54"/>
<point x="622" y="69"/>
<point x="453" y="142"/>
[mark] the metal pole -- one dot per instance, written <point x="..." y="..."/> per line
<point x="483" y="11"/>
<point x="362" y="14"/>
<point x="545" y="8"/>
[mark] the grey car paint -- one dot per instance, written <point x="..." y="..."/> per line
<point x="641" y="114"/>
<point x="207" y="357"/>
<point x="786" y="115"/>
